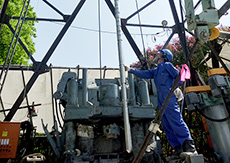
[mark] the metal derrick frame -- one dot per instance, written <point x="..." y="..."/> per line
<point x="40" y="67"/>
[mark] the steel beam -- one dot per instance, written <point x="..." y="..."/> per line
<point x="140" y="10"/>
<point x="41" y="65"/>
<point x="224" y="9"/>
<point x="40" y="19"/>
<point x="21" y="43"/>
<point x="181" y="32"/>
<point x="179" y="27"/>
<point x="3" y="11"/>
<point x="168" y="40"/>
<point x="14" y="41"/>
<point x="146" y="25"/>
<point x="209" y="44"/>
<point x="54" y="8"/>
<point x="22" y="107"/>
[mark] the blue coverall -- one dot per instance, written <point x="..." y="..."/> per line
<point x="173" y="124"/>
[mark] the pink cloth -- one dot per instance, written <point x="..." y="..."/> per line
<point x="185" y="73"/>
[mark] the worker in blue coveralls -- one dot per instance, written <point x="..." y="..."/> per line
<point x="173" y="124"/>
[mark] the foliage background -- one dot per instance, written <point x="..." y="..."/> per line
<point x="27" y="34"/>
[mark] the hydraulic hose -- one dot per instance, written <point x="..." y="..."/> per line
<point x="211" y="119"/>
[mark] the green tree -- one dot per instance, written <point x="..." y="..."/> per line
<point x="27" y="34"/>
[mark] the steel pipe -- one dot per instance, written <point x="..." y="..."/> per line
<point x="128" y="139"/>
<point x="84" y="87"/>
<point x="132" y="98"/>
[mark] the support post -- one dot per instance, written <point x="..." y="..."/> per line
<point x="84" y="87"/>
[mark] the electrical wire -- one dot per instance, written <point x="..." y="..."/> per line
<point x="99" y="39"/>
<point x="142" y="39"/>
<point x="103" y="31"/>
<point x="153" y="38"/>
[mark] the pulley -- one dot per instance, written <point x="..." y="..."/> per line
<point x="214" y="33"/>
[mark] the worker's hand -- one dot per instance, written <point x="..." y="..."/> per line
<point x="127" y="68"/>
<point x="178" y="68"/>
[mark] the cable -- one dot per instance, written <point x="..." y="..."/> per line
<point x="153" y="38"/>
<point x="60" y="112"/>
<point x="99" y="39"/>
<point x="107" y="32"/>
<point x="142" y="39"/>
<point x="57" y="115"/>
<point x="33" y="154"/>
<point x="52" y="92"/>
<point x="211" y="119"/>
<point x="182" y="6"/>
<point x="181" y="11"/>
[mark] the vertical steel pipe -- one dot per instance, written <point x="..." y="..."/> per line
<point x="144" y="92"/>
<point x="84" y="87"/>
<point x="72" y="92"/>
<point x="132" y="98"/>
<point x="128" y="139"/>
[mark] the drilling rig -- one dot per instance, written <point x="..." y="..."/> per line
<point x="94" y="121"/>
<point x="96" y="126"/>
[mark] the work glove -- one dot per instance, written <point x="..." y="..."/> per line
<point x="179" y="94"/>
<point x="127" y="68"/>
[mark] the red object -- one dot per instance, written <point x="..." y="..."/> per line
<point x="206" y="130"/>
<point x="9" y="135"/>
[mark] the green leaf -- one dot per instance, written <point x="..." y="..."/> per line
<point x="27" y="34"/>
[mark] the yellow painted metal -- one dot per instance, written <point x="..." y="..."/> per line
<point x="217" y="71"/>
<point x="205" y="88"/>
<point x="214" y="34"/>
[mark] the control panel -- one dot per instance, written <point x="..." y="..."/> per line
<point x="9" y="135"/>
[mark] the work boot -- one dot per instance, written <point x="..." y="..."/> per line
<point x="176" y="154"/>
<point x="188" y="148"/>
